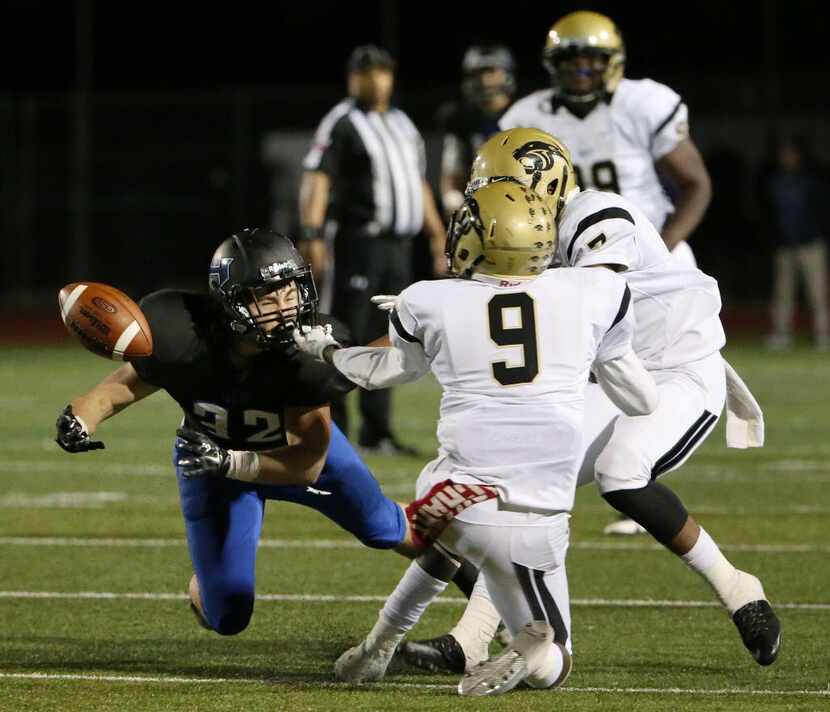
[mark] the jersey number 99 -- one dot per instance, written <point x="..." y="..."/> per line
<point x="603" y="177"/>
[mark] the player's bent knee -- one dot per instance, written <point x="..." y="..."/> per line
<point x="386" y="527"/>
<point x="382" y="540"/>
<point x="620" y="467"/>
<point x="235" y="615"/>
<point x="654" y="507"/>
<point x="228" y="607"/>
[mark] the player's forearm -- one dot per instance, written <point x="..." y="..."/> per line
<point x="112" y="395"/>
<point x="292" y="465"/>
<point x="300" y="461"/>
<point x="627" y="383"/>
<point x="373" y="368"/>
<point x="690" y="208"/>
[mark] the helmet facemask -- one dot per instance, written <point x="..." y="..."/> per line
<point x="568" y="63"/>
<point x="596" y="41"/>
<point x="504" y="229"/>
<point x="465" y="247"/>
<point x="265" y="287"/>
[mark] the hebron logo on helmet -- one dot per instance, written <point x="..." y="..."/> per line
<point x="536" y="156"/>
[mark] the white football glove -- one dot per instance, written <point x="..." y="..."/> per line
<point x="315" y="340"/>
<point x="385" y="302"/>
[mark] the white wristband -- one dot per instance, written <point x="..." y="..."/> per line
<point x="244" y="465"/>
<point x="83" y="424"/>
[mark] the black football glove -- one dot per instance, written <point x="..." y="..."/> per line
<point x="198" y="456"/>
<point x="72" y="435"/>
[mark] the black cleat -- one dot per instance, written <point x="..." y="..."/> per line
<point x="442" y="654"/>
<point x="760" y="630"/>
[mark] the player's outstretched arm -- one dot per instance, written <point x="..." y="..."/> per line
<point x="370" y="367"/>
<point x="79" y="419"/>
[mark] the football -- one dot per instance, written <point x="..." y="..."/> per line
<point x="105" y="320"/>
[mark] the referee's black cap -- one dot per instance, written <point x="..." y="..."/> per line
<point x="367" y="56"/>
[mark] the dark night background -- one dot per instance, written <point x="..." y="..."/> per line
<point x="135" y="136"/>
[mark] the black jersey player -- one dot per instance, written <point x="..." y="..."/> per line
<point x="256" y="420"/>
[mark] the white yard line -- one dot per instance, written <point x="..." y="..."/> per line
<point x="92" y="677"/>
<point x="331" y="598"/>
<point x="588" y="545"/>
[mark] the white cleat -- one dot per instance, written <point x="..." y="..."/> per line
<point x="624" y="527"/>
<point x="359" y="664"/>
<point x="520" y="659"/>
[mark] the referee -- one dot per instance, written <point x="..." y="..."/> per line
<point x="365" y="181"/>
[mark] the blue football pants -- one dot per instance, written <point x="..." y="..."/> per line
<point x="223" y="520"/>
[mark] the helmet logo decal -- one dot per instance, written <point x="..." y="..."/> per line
<point x="277" y="269"/>
<point x="220" y="272"/>
<point x="535" y="157"/>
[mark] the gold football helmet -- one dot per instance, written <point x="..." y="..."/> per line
<point x="586" y="31"/>
<point x="503" y="229"/>
<point x="533" y="158"/>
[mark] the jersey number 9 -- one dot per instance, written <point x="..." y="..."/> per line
<point x="504" y="307"/>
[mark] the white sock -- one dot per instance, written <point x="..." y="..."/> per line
<point x="478" y="625"/>
<point x="404" y="607"/>
<point x="733" y="587"/>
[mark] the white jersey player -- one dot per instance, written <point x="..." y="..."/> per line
<point x="619" y="130"/>
<point x="511" y="346"/>
<point x="678" y="339"/>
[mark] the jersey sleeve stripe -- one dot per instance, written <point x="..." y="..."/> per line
<point x="665" y="121"/>
<point x="623" y="310"/>
<point x="599" y="216"/>
<point x="403" y="333"/>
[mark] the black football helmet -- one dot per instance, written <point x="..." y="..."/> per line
<point x="480" y="58"/>
<point x="247" y="267"/>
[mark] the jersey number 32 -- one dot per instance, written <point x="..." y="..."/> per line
<point x="262" y="426"/>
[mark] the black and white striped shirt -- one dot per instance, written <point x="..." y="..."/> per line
<point x="376" y="163"/>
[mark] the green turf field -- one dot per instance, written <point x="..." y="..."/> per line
<point x="93" y="567"/>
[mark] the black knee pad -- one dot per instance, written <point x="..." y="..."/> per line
<point x="465" y="578"/>
<point x="654" y="507"/>
<point x="435" y="562"/>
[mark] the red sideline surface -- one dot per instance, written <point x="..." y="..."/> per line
<point x="33" y="328"/>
